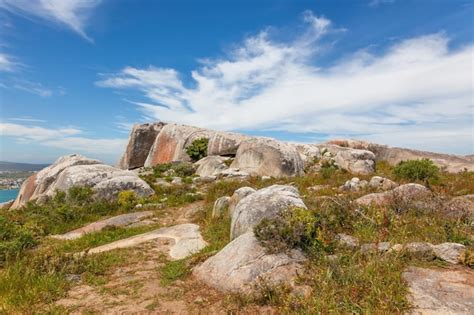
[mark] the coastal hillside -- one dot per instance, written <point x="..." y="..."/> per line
<point x="196" y="219"/>
<point x="20" y="167"/>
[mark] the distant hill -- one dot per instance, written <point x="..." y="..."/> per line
<point x="20" y="167"/>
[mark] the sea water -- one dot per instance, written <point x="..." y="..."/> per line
<point x="8" y="194"/>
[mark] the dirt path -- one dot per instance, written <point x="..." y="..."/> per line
<point x="137" y="288"/>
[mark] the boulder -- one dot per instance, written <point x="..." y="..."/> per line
<point x="268" y="157"/>
<point x="422" y="250"/>
<point x="76" y="170"/>
<point x="139" y="144"/>
<point x="440" y="291"/>
<point x="415" y="194"/>
<point x="309" y="153"/>
<point x="243" y="263"/>
<point x="238" y="195"/>
<point x="460" y="208"/>
<point x="382" y="183"/>
<point x="171" y="143"/>
<point x="356" y="161"/>
<point x="211" y="166"/>
<point x="449" y="252"/>
<point x="220" y="205"/>
<point x="355" y="184"/>
<point x="264" y="203"/>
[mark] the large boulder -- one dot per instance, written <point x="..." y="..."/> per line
<point x="459" y="207"/>
<point x="240" y="266"/>
<point x="171" y="143"/>
<point x="308" y="152"/>
<point x="139" y="143"/>
<point x="268" y="157"/>
<point x="76" y="170"/>
<point x="211" y="166"/>
<point x="356" y="161"/>
<point x="238" y="195"/>
<point x="264" y="203"/>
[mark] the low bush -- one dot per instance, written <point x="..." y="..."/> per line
<point x="197" y="149"/>
<point x="127" y="199"/>
<point x="417" y="170"/>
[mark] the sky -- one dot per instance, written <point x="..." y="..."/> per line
<point x="75" y="75"/>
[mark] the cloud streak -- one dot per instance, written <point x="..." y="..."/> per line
<point x="71" y="13"/>
<point x="414" y="87"/>
<point x="70" y="139"/>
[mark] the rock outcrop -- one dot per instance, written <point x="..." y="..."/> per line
<point x="264" y="156"/>
<point x="139" y="144"/>
<point x="440" y="291"/>
<point x="394" y="155"/>
<point x="356" y="161"/>
<point x="76" y="170"/>
<point x="186" y="240"/>
<point x="240" y="266"/>
<point x="264" y="203"/>
<point x="238" y="195"/>
<point x="171" y="143"/>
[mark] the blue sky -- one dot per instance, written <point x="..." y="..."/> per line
<point x="76" y="74"/>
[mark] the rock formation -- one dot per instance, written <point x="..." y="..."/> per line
<point x="76" y="170"/>
<point x="139" y="144"/>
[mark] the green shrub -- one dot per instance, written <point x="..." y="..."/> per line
<point x="127" y="199"/>
<point x="80" y="195"/>
<point x="198" y="149"/>
<point x="174" y="270"/>
<point x="181" y="169"/>
<point x="14" y="238"/>
<point x="416" y="170"/>
<point x="292" y="228"/>
<point x="328" y="169"/>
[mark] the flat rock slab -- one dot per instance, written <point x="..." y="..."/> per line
<point x="187" y="241"/>
<point x="440" y="291"/>
<point x="123" y="220"/>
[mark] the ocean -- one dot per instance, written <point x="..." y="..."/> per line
<point x="6" y="195"/>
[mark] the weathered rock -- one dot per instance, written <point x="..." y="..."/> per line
<point x="211" y="166"/>
<point x="372" y="247"/>
<point x="204" y="179"/>
<point x="308" y="152"/>
<point x="356" y="161"/>
<point x="347" y="240"/>
<point x="162" y="182"/>
<point x="7" y="204"/>
<point x="220" y="205"/>
<point x="355" y="184"/>
<point x="264" y="156"/>
<point x="76" y="170"/>
<point x="171" y="143"/>
<point x="234" y="173"/>
<point x="440" y="291"/>
<point x="238" y="195"/>
<point x="459" y="207"/>
<point x="122" y="220"/>
<point x="394" y="155"/>
<point x="186" y="237"/>
<point x="240" y="266"/>
<point x="382" y="183"/>
<point x="177" y="181"/>
<point x="415" y="194"/>
<point x="264" y="203"/>
<point x="139" y="144"/>
<point x="449" y="252"/>
<point x="421" y="250"/>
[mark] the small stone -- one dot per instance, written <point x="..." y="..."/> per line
<point x="449" y="252"/>
<point x="347" y="240"/>
<point x="420" y="250"/>
<point x="177" y="181"/>
<point x="396" y="248"/>
<point x="369" y="247"/>
<point x="220" y="205"/>
<point x="199" y="300"/>
<point x="266" y="177"/>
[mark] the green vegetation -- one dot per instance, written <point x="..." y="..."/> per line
<point x="197" y="149"/>
<point x="174" y="270"/>
<point x="417" y="170"/>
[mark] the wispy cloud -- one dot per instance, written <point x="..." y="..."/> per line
<point x="7" y="63"/>
<point x="27" y="119"/>
<point x="68" y="138"/>
<point x="376" y="3"/>
<point x="417" y="85"/>
<point x="32" y="87"/>
<point x="71" y="13"/>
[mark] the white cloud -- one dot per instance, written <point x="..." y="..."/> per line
<point x="7" y="63"/>
<point x="415" y="87"/>
<point x="69" y="139"/>
<point x="72" y="13"/>
<point x="32" y="87"/>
